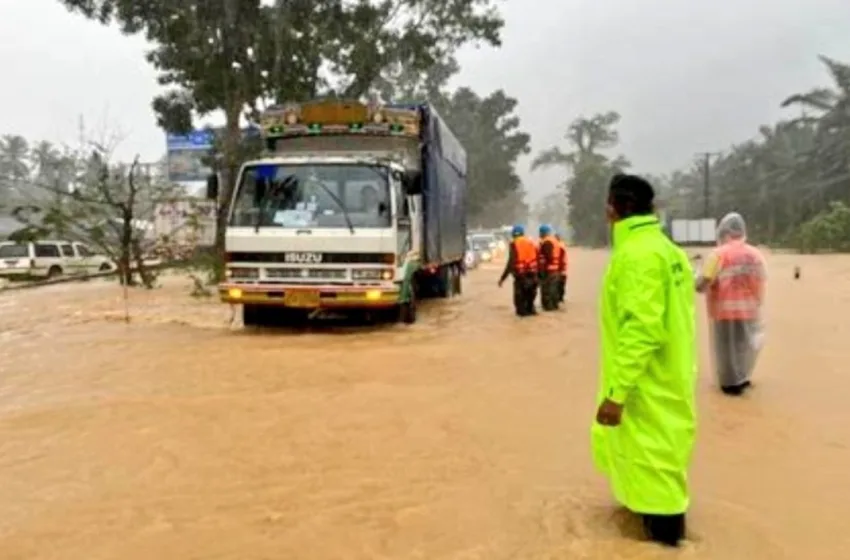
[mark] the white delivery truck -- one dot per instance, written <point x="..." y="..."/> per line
<point x="354" y="206"/>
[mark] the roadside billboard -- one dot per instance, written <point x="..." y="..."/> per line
<point x="187" y="152"/>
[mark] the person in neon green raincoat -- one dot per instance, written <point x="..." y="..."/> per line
<point x="646" y="422"/>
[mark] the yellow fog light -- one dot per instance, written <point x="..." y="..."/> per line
<point x="373" y="295"/>
<point x="235" y="293"/>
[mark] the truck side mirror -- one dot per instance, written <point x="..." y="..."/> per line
<point x="212" y="187"/>
<point x="410" y="182"/>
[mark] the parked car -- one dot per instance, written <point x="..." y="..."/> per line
<point x="48" y="259"/>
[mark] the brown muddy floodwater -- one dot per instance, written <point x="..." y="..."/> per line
<point x="465" y="436"/>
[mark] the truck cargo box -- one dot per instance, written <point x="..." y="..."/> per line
<point x="444" y="191"/>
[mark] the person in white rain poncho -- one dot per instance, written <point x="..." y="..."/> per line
<point x="733" y="280"/>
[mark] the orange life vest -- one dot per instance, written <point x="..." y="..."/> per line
<point x="555" y="264"/>
<point x="563" y="247"/>
<point x="526" y="255"/>
<point x="736" y="293"/>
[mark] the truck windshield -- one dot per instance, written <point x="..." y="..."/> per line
<point x="314" y="196"/>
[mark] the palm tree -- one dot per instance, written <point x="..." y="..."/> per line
<point x="45" y="162"/>
<point x="13" y="157"/>
<point x="588" y="172"/>
<point x="586" y="136"/>
<point x="13" y="165"/>
<point x="832" y="107"/>
<point x="43" y="159"/>
<point x="824" y="100"/>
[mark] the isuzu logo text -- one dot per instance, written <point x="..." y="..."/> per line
<point x="303" y="258"/>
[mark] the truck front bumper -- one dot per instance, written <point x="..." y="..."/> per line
<point x="310" y="297"/>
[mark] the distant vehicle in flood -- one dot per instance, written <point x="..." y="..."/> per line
<point x="485" y="245"/>
<point x="471" y="260"/>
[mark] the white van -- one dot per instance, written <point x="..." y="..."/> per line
<point x="48" y="259"/>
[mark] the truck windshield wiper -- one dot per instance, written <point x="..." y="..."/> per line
<point x="341" y="205"/>
<point x="271" y="194"/>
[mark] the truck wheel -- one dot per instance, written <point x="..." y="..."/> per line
<point x="458" y="285"/>
<point x="407" y="311"/>
<point x="289" y="317"/>
<point x="53" y="272"/>
<point x="252" y="315"/>
<point x="265" y="316"/>
<point x="446" y="281"/>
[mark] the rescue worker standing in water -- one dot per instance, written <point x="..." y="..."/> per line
<point x="562" y="273"/>
<point x="733" y="280"/>
<point x="550" y="269"/>
<point x="522" y="263"/>
<point x="645" y="425"/>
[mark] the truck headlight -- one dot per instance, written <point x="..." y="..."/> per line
<point x="243" y="273"/>
<point x="372" y="274"/>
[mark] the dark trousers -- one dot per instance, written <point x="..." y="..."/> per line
<point x="525" y="292"/>
<point x="562" y="287"/>
<point x="668" y="530"/>
<point x="550" y="288"/>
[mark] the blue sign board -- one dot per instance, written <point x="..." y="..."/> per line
<point x="195" y="140"/>
<point x="187" y="152"/>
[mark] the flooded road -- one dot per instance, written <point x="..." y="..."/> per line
<point x="465" y="436"/>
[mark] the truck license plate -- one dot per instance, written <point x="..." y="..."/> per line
<point x="303" y="299"/>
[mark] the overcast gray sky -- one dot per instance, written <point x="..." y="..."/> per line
<point x="686" y="76"/>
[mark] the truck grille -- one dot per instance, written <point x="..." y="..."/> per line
<point x="327" y="258"/>
<point x="307" y="273"/>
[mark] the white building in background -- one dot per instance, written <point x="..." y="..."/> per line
<point x="185" y="222"/>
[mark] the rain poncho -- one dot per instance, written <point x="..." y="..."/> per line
<point x="735" y="275"/>
<point x="648" y="365"/>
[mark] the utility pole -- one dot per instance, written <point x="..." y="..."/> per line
<point x="706" y="188"/>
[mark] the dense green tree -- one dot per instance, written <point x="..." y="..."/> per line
<point x="490" y="132"/>
<point x="226" y="55"/>
<point x="486" y="126"/>
<point x="399" y="83"/>
<point x="587" y="171"/>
